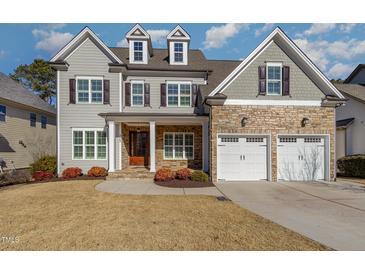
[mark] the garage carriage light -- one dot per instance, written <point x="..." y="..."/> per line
<point x="244" y="121"/>
<point x="305" y="121"/>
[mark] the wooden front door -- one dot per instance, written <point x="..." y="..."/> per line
<point x="138" y="148"/>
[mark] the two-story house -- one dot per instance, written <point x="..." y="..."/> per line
<point x="27" y="125"/>
<point x="269" y="117"/>
<point x="351" y="116"/>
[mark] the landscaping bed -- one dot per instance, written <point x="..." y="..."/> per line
<point x="182" y="178"/>
<point x="183" y="183"/>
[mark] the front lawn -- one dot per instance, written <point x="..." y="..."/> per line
<point x="74" y="216"/>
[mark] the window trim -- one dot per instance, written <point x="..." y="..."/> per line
<point x="173" y="146"/>
<point x="274" y="64"/>
<point x="95" y="144"/>
<point x="89" y="78"/>
<point x="178" y="92"/>
<point x="137" y="82"/>
<point x="134" y="51"/>
<point x="182" y="53"/>
<point x="3" y="114"/>
<point x="30" y="119"/>
<point x="44" y="125"/>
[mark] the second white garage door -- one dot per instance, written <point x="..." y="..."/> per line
<point x="242" y="158"/>
<point x="301" y="158"/>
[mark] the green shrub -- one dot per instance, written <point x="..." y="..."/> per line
<point x="352" y="166"/>
<point x="46" y="163"/>
<point x="199" y="176"/>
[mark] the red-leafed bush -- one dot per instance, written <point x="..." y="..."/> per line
<point x="42" y="175"/>
<point x="183" y="174"/>
<point x="97" y="171"/>
<point x="71" y="172"/>
<point x="164" y="174"/>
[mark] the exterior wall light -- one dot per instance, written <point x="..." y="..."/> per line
<point x="305" y="121"/>
<point x="244" y="121"/>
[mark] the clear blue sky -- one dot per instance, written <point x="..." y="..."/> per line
<point x="335" y="48"/>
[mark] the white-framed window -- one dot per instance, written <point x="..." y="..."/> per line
<point x="178" y="94"/>
<point x="178" y="52"/>
<point x="89" y="144"/>
<point x="89" y="90"/>
<point x="43" y="121"/>
<point x="178" y="146"/>
<point x="137" y="93"/>
<point x="273" y="78"/>
<point x="2" y="113"/>
<point x="138" y="51"/>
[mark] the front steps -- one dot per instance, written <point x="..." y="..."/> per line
<point x="132" y="173"/>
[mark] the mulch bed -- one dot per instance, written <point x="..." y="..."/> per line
<point x="183" y="184"/>
<point x="55" y="179"/>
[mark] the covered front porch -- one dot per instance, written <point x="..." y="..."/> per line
<point x="147" y="142"/>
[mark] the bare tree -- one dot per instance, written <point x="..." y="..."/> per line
<point x="40" y="145"/>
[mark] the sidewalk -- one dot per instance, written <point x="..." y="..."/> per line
<point x="147" y="187"/>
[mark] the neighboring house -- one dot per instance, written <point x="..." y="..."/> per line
<point x="350" y="134"/>
<point x="269" y="117"/>
<point x="27" y="125"/>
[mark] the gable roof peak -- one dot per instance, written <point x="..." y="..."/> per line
<point x="280" y="37"/>
<point x="85" y="33"/>
<point x="137" y="32"/>
<point x="178" y="33"/>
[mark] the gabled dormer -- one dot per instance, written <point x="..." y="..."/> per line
<point x="140" y="46"/>
<point x="178" y="44"/>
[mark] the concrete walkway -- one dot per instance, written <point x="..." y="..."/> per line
<point x="147" y="187"/>
<point x="332" y="214"/>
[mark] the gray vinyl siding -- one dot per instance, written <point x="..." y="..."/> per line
<point x="155" y="93"/>
<point x="87" y="60"/>
<point x="245" y="86"/>
<point x="17" y="130"/>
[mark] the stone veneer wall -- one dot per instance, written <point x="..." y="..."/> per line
<point x="196" y="163"/>
<point x="160" y="162"/>
<point x="273" y="120"/>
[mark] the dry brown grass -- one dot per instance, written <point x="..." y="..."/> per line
<point x="74" y="216"/>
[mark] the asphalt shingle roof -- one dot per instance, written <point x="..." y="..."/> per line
<point x="160" y="60"/>
<point x="354" y="90"/>
<point x="344" y="122"/>
<point x="15" y="92"/>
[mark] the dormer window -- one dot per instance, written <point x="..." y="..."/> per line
<point x="138" y="51"/>
<point x="140" y="45"/>
<point x="178" y="44"/>
<point x="274" y="78"/>
<point x="178" y="52"/>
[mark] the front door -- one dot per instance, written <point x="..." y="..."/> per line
<point x="138" y="148"/>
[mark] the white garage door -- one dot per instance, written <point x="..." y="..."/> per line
<point x="301" y="158"/>
<point x="242" y="158"/>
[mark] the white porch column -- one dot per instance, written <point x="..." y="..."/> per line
<point x="205" y="133"/>
<point x="111" y="142"/>
<point x="152" y="146"/>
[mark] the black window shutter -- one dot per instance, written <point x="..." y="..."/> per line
<point x="106" y="91"/>
<point x="127" y="96"/>
<point x="163" y="95"/>
<point x="72" y="89"/>
<point x="194" y="95"/>
<point x="146" y="95"/>
<point x="286" y="81"/>
<point x="262" y="80"/>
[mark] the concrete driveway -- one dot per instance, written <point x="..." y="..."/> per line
<point x="330" y="214"/>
